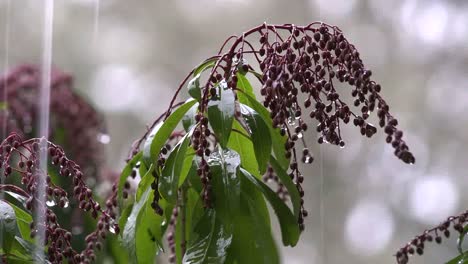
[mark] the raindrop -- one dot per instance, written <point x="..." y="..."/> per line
<point x="299" y="135"/>
<point x="112" y="229"/>
<point x="308" y="159"/>
<point x="103" y="138"/>
<point x="51" y="203"/>
<point x="66" y="203"/>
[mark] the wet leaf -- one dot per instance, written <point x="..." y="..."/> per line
<point x="161" y="132"/>
<point x="7" y="226"/>
<point x="210" y="241"/>
<point x="125" y="173"/>
<point x="260" y="136"/>
<point x="252" y="239"/>
<point x="221" y="114"/>
<point x="240" y="142"/>
<point x="289" y="184"/>
<point x="172" y="169"/>
<point x="289" y="228"/>
<point x="194" y="88"/>
<point x="226" y="185"/>
<point x="279" y="141"/>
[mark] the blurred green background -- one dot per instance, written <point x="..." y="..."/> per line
<point x="129" y="56"/>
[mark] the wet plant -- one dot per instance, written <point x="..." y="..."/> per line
<point x="201" y="167"/>
<point x="203" y="179"/>
<point x="21" y="158"/>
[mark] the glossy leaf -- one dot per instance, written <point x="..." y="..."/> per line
<point x="161" y="132"/>
<point x="244" y="85"/>
<point x="279" y="141"/>
<point x="189" y="118"/>
<point x="209" y="63"/>
<point x="126" y="172"/>
<point x="461" y="238"/>
<point x="289" y="184"/>
<point x="252" y="239"/>
<point x="186" y="165"/>
<point x="221" y="114"/>
<point x="7" y="226"/>
<point x="240" y="142"/>
<point x="171" y="172"/>
<point x="260" y="136"/>
<point x="145" y="181"/>
<point x="140" y="249"/>
<point x="149" y="231"/>
<point x="29" y="248"/>
<point x="460" y="259"/>
<point x="289" y="227"/>
<point x="194" y="88"/>
<point x="23" y="219"/>
<point x="226" y="185"/>
<point x="210" y="241"/>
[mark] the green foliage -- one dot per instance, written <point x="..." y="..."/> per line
<point x="237" y="228"/>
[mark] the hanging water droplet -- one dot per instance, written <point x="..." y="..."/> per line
<point x="291" y="121"/>
<point x="103" y="138"/>
<point x="308" y="159"/>
<point x="342" y="147"/>
<point x="51" y="203"/>
<point x="112" y="229"/>
<point x="65" y="203"/>
<point x="299" y="135"/>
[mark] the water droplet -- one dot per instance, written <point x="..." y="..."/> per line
<point x="299" y="135"/>
<point x="342" y="147"/>
<point x="66" y="203"/>
<point x="103" y="138"/>
<point x="291" y="121"/>
<point x="112" y="229"/>
<point x="308" y="159"/>
<point x="51" y="203"/>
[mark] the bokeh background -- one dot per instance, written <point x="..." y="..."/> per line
<point x="129" y="56"/>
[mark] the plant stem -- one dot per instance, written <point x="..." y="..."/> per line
<point x="183" y="203"/>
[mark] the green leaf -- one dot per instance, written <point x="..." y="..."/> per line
<point x="240" y="142"/>
<point x="189" y="118"/>
<point x="145" y="181"/>
<point x="135" y="236"/>
<point x="461" y="238"/>
<point x="194" y="88"/>
<point x="289" y="228"/>
<point x="226" y="185"/>
<point x="460" y="259"/>
<point x="260" y="136"/>
<point x="172" y="170"/>
<point x="252" y="239"/>
<point x="210" y="241"/>
<point x="279" y="141"/>
<point x="187" y="165"/>
<point x="209" y="63"/>
<point x="23" y="219"/>
<point x="125" y="173"/>
<point x="149" y="231"/>
<point x="289" y="184"/>
<point x="125" y="214"/>
<point x="221" y="114"/>
<point x="161" y="132"/>
<point x="30" y="250"/>
<point x="244" y="85"/>
<point x="7" y="226"/>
